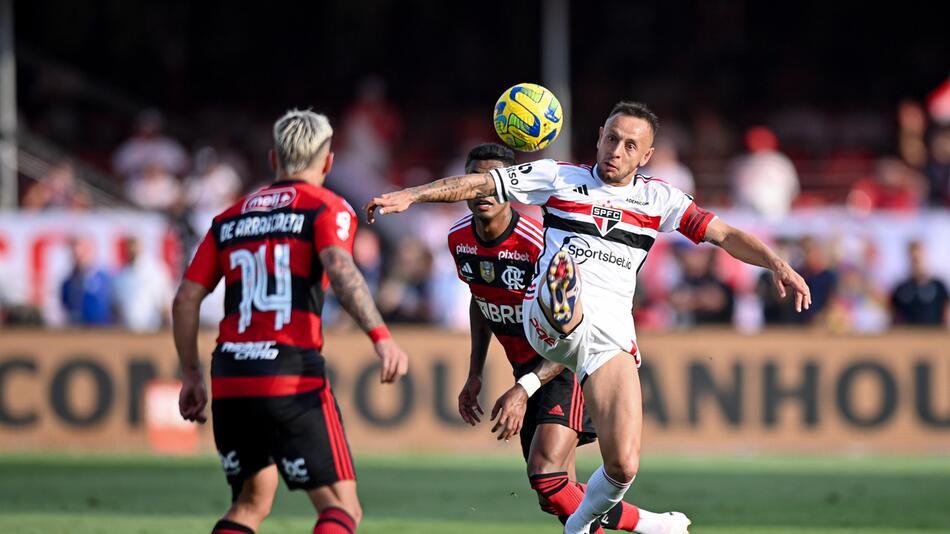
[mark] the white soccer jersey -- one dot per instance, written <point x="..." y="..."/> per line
<point x="607" y="229"/>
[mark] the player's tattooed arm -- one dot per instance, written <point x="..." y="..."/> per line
<point x="547" y="370"/>
<point x="455" y="188"/>
<point x="350" y="287"/>
<point x="451" y="189"/>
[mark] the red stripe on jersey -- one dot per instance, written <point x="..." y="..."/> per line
<point x="530" y="224"/>
<point x="341" y="452"/>
<point x="302" y="331"/>
<point x="694" y="222"/>
<point x="496" y="295"/>
<point x="635" y="219"/>
<point x="263" y="386"/>
<point x="517" y="348"/>
<point x="301" y="257"/>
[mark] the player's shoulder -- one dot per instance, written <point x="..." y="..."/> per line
<point x="658" y="189"/>
<point x="459" y="229"/>
<point x="316" y="197"/>
<point x="529" y="231"/>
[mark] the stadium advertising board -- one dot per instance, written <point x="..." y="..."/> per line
<point x="709" y="391"/>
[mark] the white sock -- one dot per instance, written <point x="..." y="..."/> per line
<point x="603" y="493"/>
<point x="650" y="523"/>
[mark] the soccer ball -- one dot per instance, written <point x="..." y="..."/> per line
<point x="528" y="117"/>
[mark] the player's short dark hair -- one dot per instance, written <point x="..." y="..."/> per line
<point x="639" y="110"/>
<point x="489" y="151"/>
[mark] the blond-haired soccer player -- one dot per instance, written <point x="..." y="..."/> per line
<point x="274" y="411"/>
<point x="599" y="224"/>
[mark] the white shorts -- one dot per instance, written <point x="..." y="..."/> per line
<point x="583" y="351"/>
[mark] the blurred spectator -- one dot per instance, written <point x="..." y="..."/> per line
<point x="156" y="189"/>
<point x="921" y="299"/>
<point x="894" y="186"/>
<point x="58" y="189"/>
<point x="665" y="165"/>
<point x="143" y="290"/>
<point x="701" y="298"/>
<point x="215" y="184"/>
<point x="820" y="277"/>
<point x="86" y="293"/>
<point x="856" y="306"/>
<point x="148" y="146"/>
<point x="402" y="296"/>
<point x="764" y="180"/>
<point x="938" y="167"/>
<point x="911" y="129"/>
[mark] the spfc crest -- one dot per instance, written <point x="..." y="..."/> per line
<point x="605" y="218"/>
<point x="487" y="270"/>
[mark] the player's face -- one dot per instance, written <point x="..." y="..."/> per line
<point x="487" y="208"/>
<point x="623" y="144"/>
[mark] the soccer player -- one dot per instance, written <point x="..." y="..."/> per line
<point x="495" y="250"/>
<point x="277" y="249"/>
<point x="599" y="224"/>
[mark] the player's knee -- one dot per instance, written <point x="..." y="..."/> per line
<point x="623" y="468"/>
<point x="541" y="462"/>
<point x="255" y="509"/>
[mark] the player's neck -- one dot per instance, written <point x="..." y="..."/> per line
<point x="312" y="178"/>
<point x="492" y="229"/>
<point x="617" y="183"/>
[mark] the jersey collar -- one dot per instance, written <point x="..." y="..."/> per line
<point x="504" y="235"/>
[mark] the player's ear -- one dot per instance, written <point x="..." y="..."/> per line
<point x="646" y="157"/>
<point x="600" y="135"/>
<point x="328" y="164"/>
<point x="272" y="159"/>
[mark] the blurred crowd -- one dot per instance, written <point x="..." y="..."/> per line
<point x="405" y="261"/>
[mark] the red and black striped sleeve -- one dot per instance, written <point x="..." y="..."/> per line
<point x="694" y="222"/>
<point x="205" y="269"/>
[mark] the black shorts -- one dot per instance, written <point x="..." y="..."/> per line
<point x="302" y="434"/>
<point x="561" y="402"/>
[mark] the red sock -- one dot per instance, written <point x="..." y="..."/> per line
<point x="230" y="527"/>
<point x="335" y="521"/>
<point x="558" y="495"/>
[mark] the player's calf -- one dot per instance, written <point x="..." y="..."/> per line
<point x="561" y="292"/>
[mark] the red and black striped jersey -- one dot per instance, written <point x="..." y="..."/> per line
<point x="266" y="247"/>
<point x="498" y="274"/>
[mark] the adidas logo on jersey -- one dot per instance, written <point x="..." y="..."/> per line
<point x="556" y="411"/>
<point x="513" y="255"/>
<point x="465" y="249"/>
<point x="581" y="190"/>
<point x="467" y="269"/>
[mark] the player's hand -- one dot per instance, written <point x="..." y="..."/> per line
<point x="193" y="398"/>
<point x="469" y="408"/>
<point x="509" y="409"/>
<point x="387" y="203"/>
<point x="394" y="362"/>
<point x="784" y="276"/>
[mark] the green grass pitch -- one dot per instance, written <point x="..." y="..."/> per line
<point x="52" y="494"/>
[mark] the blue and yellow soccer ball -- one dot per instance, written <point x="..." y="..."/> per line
<point x="528" y="117"/>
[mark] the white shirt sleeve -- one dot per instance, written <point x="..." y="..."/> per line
<point x="681" y="214"/>
<point x="676" y="204"/>
<point x="528" y="183"/>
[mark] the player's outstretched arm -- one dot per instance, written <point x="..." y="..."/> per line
<point x="469" y="408"/>
<point x="185" y="312"/>
<point x="511" y="406"/>
<point x="351" y="290"/>
<point x="451" y="189"/>
<point x="747" y="248"/>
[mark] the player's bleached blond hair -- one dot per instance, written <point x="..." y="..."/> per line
<point x="299" y="136"/>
